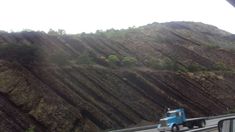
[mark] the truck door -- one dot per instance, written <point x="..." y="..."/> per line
<point x="179" y="118"/>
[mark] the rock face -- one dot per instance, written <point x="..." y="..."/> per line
<point x="71" y="83"/>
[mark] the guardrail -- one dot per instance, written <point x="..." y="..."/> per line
<point x="214" y="127"/>
<point x="220" y="116"/>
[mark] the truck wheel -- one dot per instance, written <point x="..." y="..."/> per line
<point x="175" y="128"/>
<point x="202" y="124"/>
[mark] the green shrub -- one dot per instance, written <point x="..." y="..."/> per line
<point x="182" y="69"/>
<point x="56" y="33"/>
<point x="195" y="67"/>
<point x="113" y="59"/>
<point x="129" y="61"/>
<point x="220" y="66"/>
<point x="113" y="33"/>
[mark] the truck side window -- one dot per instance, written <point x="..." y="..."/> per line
<point x="177" y="114"/>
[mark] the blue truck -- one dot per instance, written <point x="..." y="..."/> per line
<point x="175" y="118"/>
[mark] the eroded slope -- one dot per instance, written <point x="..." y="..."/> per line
<point x="68" y="83"/>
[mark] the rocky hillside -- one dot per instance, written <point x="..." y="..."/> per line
<point x="114" y="79"/>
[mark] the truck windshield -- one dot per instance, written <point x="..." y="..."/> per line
<point x="170" y="114"/>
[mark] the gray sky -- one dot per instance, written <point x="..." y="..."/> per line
<point x="76" y="16"/>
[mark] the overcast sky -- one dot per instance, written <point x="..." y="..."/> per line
<point x="76" y="16"/>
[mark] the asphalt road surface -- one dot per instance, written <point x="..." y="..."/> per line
<point x="210" y="122"/>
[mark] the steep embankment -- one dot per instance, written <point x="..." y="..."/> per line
<point x="114" y="79"/>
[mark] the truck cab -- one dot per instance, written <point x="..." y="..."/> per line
<point x="173" y="117"/>
<point x="177" y="115"/>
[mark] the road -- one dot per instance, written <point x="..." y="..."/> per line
<point x="209" y="122"/>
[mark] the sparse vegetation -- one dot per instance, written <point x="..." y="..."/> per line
<point x="212" y="46"/>
<point x="182" y="69"/>
<point x="58" y="32"/>
<point x="113" y="59"/>
<point x="163" y="64"/>
<point x="61" y="32"/>
<point x="113" y="33"/>
<point x="169" y="64"/>
<point x="221" y="67"/>
<point x="194" y="67"/>
<point x="30" y="129"/>
<point x="154" y="63"/>
<point x="129" y="61"/>
<point x="85" y="58"/>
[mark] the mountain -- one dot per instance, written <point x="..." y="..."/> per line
<point x="114" y="79"/>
